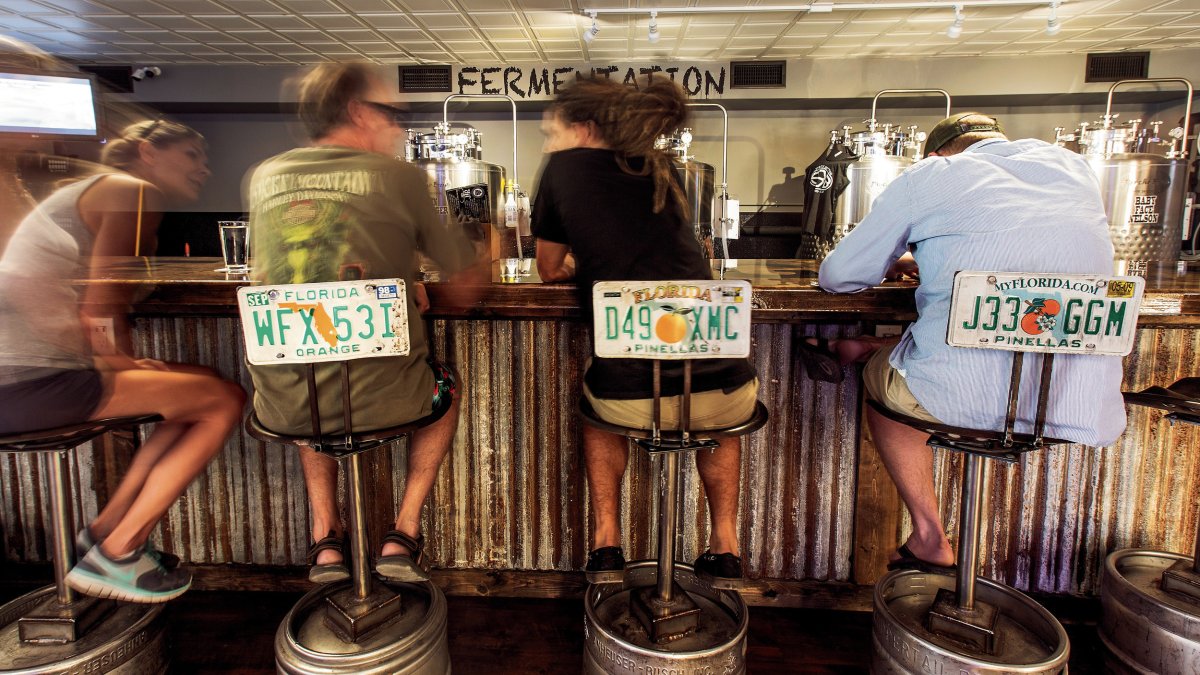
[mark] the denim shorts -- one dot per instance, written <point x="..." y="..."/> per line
<point x="63" y="397"/>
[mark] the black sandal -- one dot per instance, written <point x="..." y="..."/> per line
<point x="819" y="363"/>
<point x="411" y="566"/>
<point x="328" y="572"/>
<point x="605" y="565"/>
<point x="909" y="561"/>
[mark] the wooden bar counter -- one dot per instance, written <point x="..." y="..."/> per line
<point x="508" y="514"/>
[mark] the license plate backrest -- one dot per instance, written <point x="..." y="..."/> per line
<point x="671" y="320"/>
<point x="332" y="321"/>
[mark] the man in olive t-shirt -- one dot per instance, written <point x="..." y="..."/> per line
<point x="344" y="208"/>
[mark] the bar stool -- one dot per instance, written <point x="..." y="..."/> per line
<point x="364" y="624"/>
<point x="934" y="623"/>
<point x="662" y="618"/>
<point x="58" y="630"/>
<point x="1151" y="599"/>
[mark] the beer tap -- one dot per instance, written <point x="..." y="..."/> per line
<point x="846" y="134"/>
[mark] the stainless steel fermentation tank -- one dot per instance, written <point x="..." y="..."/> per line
<point x="469" y="192"/>
<point x="714" y="214"/>
<point x="1143" y="178"/>
<point x="884" y="151"/>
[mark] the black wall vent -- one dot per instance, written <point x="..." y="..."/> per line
<point x="1111" y="67"/>
<point x="757" y="74"/>
<point x="425" y="78"/>
<point x="116" y="78"/>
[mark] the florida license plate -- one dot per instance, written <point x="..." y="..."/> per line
<point x="1064" y="313"/>
<point x="334" y="321"/>
<point x="671" y="319"/>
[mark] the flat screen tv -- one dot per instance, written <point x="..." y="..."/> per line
<point x="48" y="105"/>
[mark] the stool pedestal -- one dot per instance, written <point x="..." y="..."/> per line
<point x="939" y="623"/>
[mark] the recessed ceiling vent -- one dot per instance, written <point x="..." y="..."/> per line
<point x="1115" y="66"/>
<point x="757" y="74"/>
<point x="416" y="79"/>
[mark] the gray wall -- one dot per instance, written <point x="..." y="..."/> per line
<point x="765" y="146"/>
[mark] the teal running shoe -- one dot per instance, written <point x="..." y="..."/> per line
<point x="84" y="543"/>
<point x="135" y="578"/>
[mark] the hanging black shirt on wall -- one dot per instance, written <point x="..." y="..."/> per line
<point x="824" y="181"/>
<point x="585" y="200"/>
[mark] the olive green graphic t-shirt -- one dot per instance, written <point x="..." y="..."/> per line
<point x="332" y="213"/>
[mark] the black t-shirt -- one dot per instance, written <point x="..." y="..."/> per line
<point x="586" y="201"/>
<point x="824" y="181"/>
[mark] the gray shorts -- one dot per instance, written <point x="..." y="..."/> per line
<point x="60" y="398"/>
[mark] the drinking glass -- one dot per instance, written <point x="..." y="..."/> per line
<point x="235" y="246"/>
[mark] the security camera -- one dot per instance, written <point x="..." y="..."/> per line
<point x="146" y="72"/>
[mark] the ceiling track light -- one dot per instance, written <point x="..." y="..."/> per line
<point x="653" y="35"/>
<point x="826" y="6"/>
<point x="1053" y="25"/>
<point x="591" y="33"/>
<point x="955" y="29"/>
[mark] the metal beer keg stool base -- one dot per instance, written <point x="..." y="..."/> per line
<point x="616" y="641"/>
<point x="129" y="639"/>
<point x="55" y="629"/>
<point x="412" y="641"/>
<point x="1150" y="600"/>
<point x="1028" y="639"/>
<point x="662" y="618"/>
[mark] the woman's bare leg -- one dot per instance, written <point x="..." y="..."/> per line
<point x="199" y="412"/>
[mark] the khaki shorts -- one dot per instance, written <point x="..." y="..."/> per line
<point x="710" y="409"/>
<point x="886" y="385"/>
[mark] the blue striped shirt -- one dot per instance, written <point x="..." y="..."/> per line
<point x="1006" y="206"/>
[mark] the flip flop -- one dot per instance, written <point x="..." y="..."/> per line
<point x="819" y="363"/>
<point x="908" y="561"/>
<point x="411" y="566"/>
<point x="326" y="573"/>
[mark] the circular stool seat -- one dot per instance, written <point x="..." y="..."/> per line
<point x="54" y="630"/>
<point x="671" y="440"/>
<point x="994" y="444"/>
<point x="352" y="443"/>
<point x="70" y="435"/>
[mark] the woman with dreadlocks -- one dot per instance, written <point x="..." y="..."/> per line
<point x="609" y="206"/>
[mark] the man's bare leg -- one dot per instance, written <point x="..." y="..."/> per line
<point x="909" y="461"/>
<point x="606" y="455"/>
<point x="320" y="479"/>
<point x="427" y="449"/>
<point x="720" y="471"/>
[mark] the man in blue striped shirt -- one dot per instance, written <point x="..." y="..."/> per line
<point x="978" y="201"/>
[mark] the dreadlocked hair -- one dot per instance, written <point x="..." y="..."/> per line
<point x="629" y="120"/>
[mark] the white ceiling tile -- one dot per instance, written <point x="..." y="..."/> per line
<point x="176" y="23"/>
<point x="138" y="6"/>
<point x="428" y="5"/>
<point x="71" y="22"/>
<point x="278" y="21"/>
<point x="376" y="47"/>
<point x="361" y="6"/>
<point x="404" y="34"/>
<point x="506" y="33"/>
<point x="361" y="35"/>
<point x="392" y="20"/>
<point x="459" y="34"/>
<point x="228" y="22"/>
<point x="79" y="7"/>
<point x="554" y="19"/>
<point x="557" y="33"/>
<point x="333" y="21"/>
<point x="22" y="23"/>
<point x="254" y="35"/>
<point x="253" y="6"/>
<point x="303" y="7"/>
<point x="495" y="19"/>
<point x="441" y="20"/>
